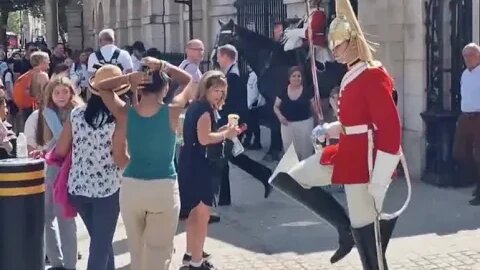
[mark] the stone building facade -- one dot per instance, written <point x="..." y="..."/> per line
<point x="398" y="26"/>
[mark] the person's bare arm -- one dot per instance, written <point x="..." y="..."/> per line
<point x="39" y="82"/>
<point x="121" y="156"/>
<point x="205" y="134"/>
<point x="64" y="143"/>
<point x="179" y="75"/>
<point x="113" y="102"/>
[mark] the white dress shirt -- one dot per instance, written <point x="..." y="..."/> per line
<point x="470" y="90"/>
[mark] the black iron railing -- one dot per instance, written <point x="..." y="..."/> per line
<point x="259" y="16"/>
<point x="441" y="116"/>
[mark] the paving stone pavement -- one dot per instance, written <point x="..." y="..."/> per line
<point x="438" y="231"/>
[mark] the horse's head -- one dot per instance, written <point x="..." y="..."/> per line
<point x="227" y="33"/>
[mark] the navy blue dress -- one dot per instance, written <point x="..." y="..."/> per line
<point x="195" y="171"/>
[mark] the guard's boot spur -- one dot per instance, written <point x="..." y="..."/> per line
<point x="324" y="205"/>
<point x="366" y="243"/>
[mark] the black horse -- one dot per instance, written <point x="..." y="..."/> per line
<point x="271" y="63"/>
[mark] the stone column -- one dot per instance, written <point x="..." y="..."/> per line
<point x="51" y="18"/>
<point x="76" y="34"/>
<point x="476" y="21"/>
<point x="397" y="26"/>
<point x="134" y="21"/>
<point x="414" y="85"/>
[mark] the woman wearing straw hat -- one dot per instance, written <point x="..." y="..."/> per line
<point x="94" y="178"/>
<point x="149" y="128"/>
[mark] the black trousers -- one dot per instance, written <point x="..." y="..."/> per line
<point x="274" y="125"/>
<point x="253" y="126"/>
<point x="259" y="172"/>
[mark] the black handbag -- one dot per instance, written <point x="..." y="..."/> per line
<point x="219" y="151"/>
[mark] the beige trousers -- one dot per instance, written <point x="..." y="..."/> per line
<point x="150" y="212"/>
<point x="298" y="133"/>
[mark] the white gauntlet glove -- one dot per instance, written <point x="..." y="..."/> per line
<point x="331" y="130"/>
<point x="385" y="165"/>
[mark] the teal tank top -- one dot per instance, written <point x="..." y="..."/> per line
<point x="151" y="145"/>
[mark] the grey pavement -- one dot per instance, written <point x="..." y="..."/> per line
<point x="438" y="231"/>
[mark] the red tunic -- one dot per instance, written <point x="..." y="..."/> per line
<point x="319" y="27"/>
<point x="365" y="99"/>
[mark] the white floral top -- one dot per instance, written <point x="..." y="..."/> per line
<point x="93" y="173"/>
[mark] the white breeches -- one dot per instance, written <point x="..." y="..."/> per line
<point x="298" y="133"/>
<point x="360" y="205"/>
<point x="309" y="173"/>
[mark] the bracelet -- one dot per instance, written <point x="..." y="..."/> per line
<point x="165" y="67"/>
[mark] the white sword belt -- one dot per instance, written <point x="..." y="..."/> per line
<point x="362" y="129"/>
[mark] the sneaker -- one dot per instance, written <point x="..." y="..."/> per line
<point x="187" y="258"/>
<point x="205" y="266"/>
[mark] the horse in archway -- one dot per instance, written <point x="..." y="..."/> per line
<point x="270" y="62"/>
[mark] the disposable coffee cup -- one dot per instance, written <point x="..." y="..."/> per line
<point x="233" y="119"/>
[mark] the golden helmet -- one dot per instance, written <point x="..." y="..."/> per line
<point x="345" y="27"/>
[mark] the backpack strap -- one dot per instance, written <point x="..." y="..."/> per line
<point x="53" y="122"/>
<point x="100" y="57"/>
<point x="114" y="59"/>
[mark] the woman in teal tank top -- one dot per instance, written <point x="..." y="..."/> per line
<point x="145" y="147"/>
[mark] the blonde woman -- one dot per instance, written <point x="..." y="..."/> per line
<point x="200" y="131"/>
<point x="43" y="129"/>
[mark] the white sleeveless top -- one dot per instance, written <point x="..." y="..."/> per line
<point x="93" y="173"/>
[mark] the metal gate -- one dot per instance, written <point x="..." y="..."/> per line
<point x="457" y="34"/>
<point x="444" y="44"/>
<point x="259" y="16"/>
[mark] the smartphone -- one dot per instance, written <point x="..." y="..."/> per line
<point x="147" y="71"/>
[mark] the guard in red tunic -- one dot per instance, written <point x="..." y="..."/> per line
<point x="368" y="151"/>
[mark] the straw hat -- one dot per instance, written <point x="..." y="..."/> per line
<point x="107" y="72"/>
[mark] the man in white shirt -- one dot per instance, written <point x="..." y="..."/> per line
<point x="466" y="149"/>
<point x="137" y="55"/>
<point x="106" y="40"/>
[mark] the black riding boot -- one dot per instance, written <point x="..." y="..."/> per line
<point x="259" y="172"/>
<point x="322" y="204"/>
<point x="365" y="242"/>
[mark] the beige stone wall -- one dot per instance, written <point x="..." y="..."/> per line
<point x="397" y="26"/>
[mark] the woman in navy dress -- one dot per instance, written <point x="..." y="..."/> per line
<point x="195" y="166"/>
